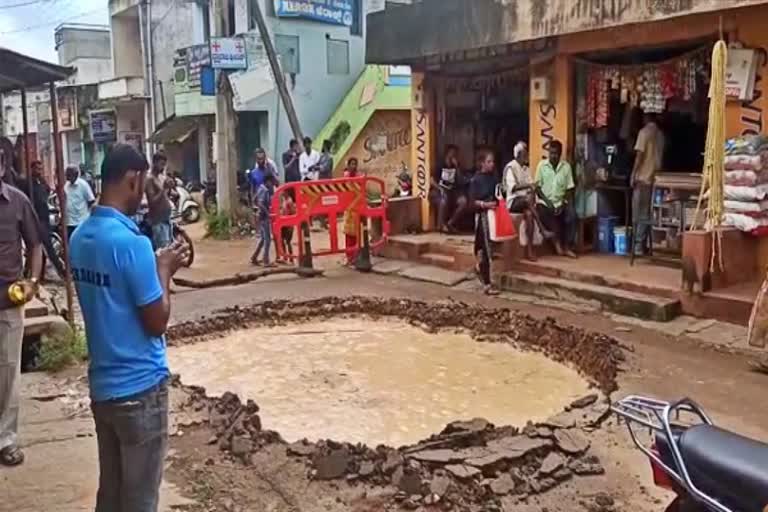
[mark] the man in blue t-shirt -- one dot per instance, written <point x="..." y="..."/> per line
<point x="262" y="167"/>
<point x="123" y="290"/>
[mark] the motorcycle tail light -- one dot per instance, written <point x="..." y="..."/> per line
<point x="660" y="477"/>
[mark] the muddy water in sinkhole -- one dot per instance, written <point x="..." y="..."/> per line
<point x="376" y="381"/>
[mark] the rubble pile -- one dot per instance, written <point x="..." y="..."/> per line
<point x="595" y="355"/>
<point x="468" y="463"/>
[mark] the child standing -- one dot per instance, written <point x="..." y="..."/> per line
<point x="287" y="208"/>
<point x="264" y="195"/>
<point x="351" y="219"/>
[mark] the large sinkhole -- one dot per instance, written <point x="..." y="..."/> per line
<point x="376" y="381"/>
<point x="387" y="376"/>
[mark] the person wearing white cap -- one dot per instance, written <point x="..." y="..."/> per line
<point x="519" y="187"/>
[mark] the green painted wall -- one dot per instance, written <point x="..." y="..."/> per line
<point x="370" y="93"/>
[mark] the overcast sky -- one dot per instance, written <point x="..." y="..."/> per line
<point x="27" y="26"/>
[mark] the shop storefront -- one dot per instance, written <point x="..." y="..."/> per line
<point x="595" y="76"/>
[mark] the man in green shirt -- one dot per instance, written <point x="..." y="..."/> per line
<point x="555" y="187"/>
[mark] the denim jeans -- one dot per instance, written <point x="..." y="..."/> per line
<point x="161" y="234"/>
<point x="265" y="232"/>
<point x="641" y="213"/>
<point x="132" y="436"/>
<point x="11" y="336"/>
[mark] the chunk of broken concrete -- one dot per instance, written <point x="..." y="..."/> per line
<point x="462" y="471"/>
<point x="393" y="460"/>
<point x="552" y="463"/>
<point x="587" y="466"/>
<point x="367" y="468"/>
<point x="301" y="449"/>
<point x="508" y="448"/>
<point x="503" y="485"/>
<point x="442" y="456"/>
<point x="474" y="425"/>
<point x="332" y="465"/>
<point x="407" y="480"/>
<point x="241" y="446"/>
<point x="440" y="485"/>
<point x="583" y="402"/>
<point x="571" y="441"/>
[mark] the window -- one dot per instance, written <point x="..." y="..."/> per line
<point x="287" y="47"/>
<point x="338" y="57"/>
<point x="358" y="16"/>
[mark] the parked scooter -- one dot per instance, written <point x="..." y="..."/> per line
<point x="183" y="204"/>
<point x="710" y="469"/>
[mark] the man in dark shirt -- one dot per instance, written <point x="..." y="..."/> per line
<point x="325" y="164"/>
<point x="291" y="162"/>
<point x="17" y="222"/>
<point x="160" y="207"/>
<point x="450" y="184"/>
<point x="482" y="194"/>
<point x="40" y="194"/>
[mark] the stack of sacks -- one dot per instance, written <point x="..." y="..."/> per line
<point x="746" y="183"/>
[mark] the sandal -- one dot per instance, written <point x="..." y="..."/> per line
<point x="11" y="456"/>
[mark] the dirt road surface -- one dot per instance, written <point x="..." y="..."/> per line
<point x="61" y="470"/>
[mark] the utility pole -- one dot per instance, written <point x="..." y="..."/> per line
<point x="226" y="182"/>
<point x="274" y="63"/>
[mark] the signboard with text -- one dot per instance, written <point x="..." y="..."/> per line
<point x="103" y="126"/>
<point x="334" y="12"/>
<point x="228" y="53"/>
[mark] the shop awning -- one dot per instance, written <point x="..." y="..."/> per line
<point x="424" y="33"/>
<point x="176" y="129"/>
<point x="18" y="71"/>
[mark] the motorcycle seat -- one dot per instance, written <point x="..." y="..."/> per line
<point x="727" y="467"/>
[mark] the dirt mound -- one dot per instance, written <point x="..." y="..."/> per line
<point x="596" y="356"/>
<point x="468" y="464"/>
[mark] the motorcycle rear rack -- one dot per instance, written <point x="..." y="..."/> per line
<point x="656" y="415"/>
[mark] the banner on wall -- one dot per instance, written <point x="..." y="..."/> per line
<point x="103" y="126"/>
<point x="740" y="73"/>
<point x="334" y="12"/>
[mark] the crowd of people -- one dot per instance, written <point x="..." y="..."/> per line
<point x="299" y="165"/>
<point x="122" y="280"/>
<point x="460" y="196"/>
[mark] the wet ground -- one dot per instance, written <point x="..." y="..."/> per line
<point x="660" y="364"/>
<point x="377" y="382"/>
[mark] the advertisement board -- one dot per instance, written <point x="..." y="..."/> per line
<point x="334" y="12"/>
<point x="228" y="53"/>
<point x="103" y="126"/>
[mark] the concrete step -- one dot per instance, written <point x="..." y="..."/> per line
<point x="639" y="305"/>
<point x="48" y="324"/>
<point x="439" y="260"/>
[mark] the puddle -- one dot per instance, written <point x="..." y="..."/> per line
<point x="376" y="382"/>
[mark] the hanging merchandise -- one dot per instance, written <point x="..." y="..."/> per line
<point x="648" y="86"/>
<point x="713" y="182"/>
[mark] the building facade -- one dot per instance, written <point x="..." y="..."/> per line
<point x="138" y="94"/>
<point x="488" y="73"/>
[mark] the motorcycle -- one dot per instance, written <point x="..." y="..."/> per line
<point x="177" y="232"/>
<point x="709" y="469"/>
<point x="184" y="205"/>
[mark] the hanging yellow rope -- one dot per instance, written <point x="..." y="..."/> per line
<point x="713" y="174"/>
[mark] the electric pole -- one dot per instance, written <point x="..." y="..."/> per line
<point x="274" y="63"/>
<point x="226" y="173"/>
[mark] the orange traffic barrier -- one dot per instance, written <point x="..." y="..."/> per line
<point x="330" y="199"/>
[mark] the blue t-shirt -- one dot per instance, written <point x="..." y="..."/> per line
<point x="115" y="271"/>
